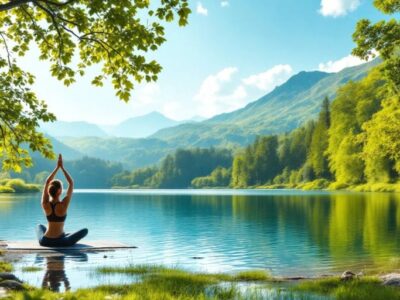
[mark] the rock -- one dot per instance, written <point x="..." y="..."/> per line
<point x="8" y="276"/>
<point x="347" y="275"/>
<point x="12" y="285"/>
<point x="392" y="279"/>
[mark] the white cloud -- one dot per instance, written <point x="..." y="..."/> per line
<point x="224" y="3"/>
<point x="337" y="8"/>
<point x="147" y="93"/>
<point x="201" y="10"/>
<point x="268" y="80"/>
<point x="340" y="64"/>
<point x="213" y="97"/>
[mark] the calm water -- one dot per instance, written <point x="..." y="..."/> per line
<point x="285" y="232"/>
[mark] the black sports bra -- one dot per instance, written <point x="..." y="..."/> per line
<point x="53" y="217"/>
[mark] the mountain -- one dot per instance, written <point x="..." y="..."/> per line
<point x="41" y="164"/>
<point x="132" y="153"/>
<point x="285" y="108"/>
<point x="75" y="129"/>
<point x="142" y="126"/>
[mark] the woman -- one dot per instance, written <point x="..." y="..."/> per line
<point x="56" y="212"/>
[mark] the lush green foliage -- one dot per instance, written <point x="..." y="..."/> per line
<point x="258" y="164"/>
<point x="17" y="186"/>
<point x="382" y="37"/>
<point x="20" y="113"/>
<point x="354" y="105"/>
<point x="73" y="36"/>
<point x="132" y="153"/>
<point x="177" y="170"/>
<point x="317" y="158"/>
<point x="358" y="136"/>
<point x="87" y="172"/>
<point x="220" y="177"/>
<point x="368" y="288"/>
<point x="5" y="267"/>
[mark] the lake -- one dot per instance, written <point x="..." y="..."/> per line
<point x="286" y="232"/>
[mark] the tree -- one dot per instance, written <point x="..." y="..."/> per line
<point x="73" y="35"/>
<point x="383" y="37"/>
<point x="319" y="143"/>
<point x="382" y="146"/>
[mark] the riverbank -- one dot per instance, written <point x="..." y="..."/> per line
<point x="322" y="184"/>
<point x="159" y="282"/>
<point x="316" y="185"/>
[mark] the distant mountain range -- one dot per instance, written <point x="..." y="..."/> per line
<point x="285" y="108"/>
<point x="75" y="129"/>
<point x="135" y="127"/>
<point x="142" y="126"/>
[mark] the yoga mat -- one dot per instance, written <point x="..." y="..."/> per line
<point x="33" y="246"/>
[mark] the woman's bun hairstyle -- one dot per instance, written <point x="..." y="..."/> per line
<point x="55" y="185"/>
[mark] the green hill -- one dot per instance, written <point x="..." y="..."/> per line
<point x="132" y="153"/>
<point x="285" y="108"/>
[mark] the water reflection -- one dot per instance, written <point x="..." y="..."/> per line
<point x="55" y="277"/>
<point x="286" y="232"/>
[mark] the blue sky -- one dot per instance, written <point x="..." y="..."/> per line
<point x="231" y="53"/>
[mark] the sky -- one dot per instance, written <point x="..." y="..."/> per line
<point x="231" y="53"/>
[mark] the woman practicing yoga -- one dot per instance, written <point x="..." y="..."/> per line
<point x="56" y="212"/>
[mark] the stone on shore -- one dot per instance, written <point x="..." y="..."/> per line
<point x="392" y="279"/>
<point x="8" y="276"/>
<point x="347" y="275"/>
<point x="12" y="285"/>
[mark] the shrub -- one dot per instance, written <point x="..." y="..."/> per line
<point x="6" y="189"/>
<point x="19" y="186"/>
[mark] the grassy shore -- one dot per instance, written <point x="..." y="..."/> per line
<point x="366" y="288"/>
<point x="158" y="282"/>
<point x="322" y="184"/>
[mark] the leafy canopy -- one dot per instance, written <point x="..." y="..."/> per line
<point x="383" y="37"/>
<point x="73" y="35"/>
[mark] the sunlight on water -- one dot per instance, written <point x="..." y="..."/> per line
<point x="287" y="233"/>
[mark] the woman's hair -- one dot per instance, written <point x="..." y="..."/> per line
<point x="55" y="185"/>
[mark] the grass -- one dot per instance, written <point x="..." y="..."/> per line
<point x="367" y="288"/>
<point x="252" y="275"/>
<point x="162" y="272"/>
<point x="5" y="267"/>
<point x="156" y="283"/>
<point x="159" y="282"/>
<point x="31" y="269"/>
<point x="132" y="269"/>
<point x="322" y="184"/>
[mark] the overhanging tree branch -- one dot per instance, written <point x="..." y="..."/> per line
<point x="12" y="4"/>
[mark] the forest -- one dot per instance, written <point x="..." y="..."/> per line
<point x="353" y="142"/>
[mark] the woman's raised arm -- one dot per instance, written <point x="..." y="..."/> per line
<point x="45" y="194"/>
<point x="70" y="189"/>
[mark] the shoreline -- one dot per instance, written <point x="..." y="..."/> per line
<point x="163" y="283"/>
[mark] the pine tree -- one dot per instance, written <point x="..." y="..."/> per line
<point x="317" y="158"/>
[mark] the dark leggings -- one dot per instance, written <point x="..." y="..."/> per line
<point x="65" y="240"/>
